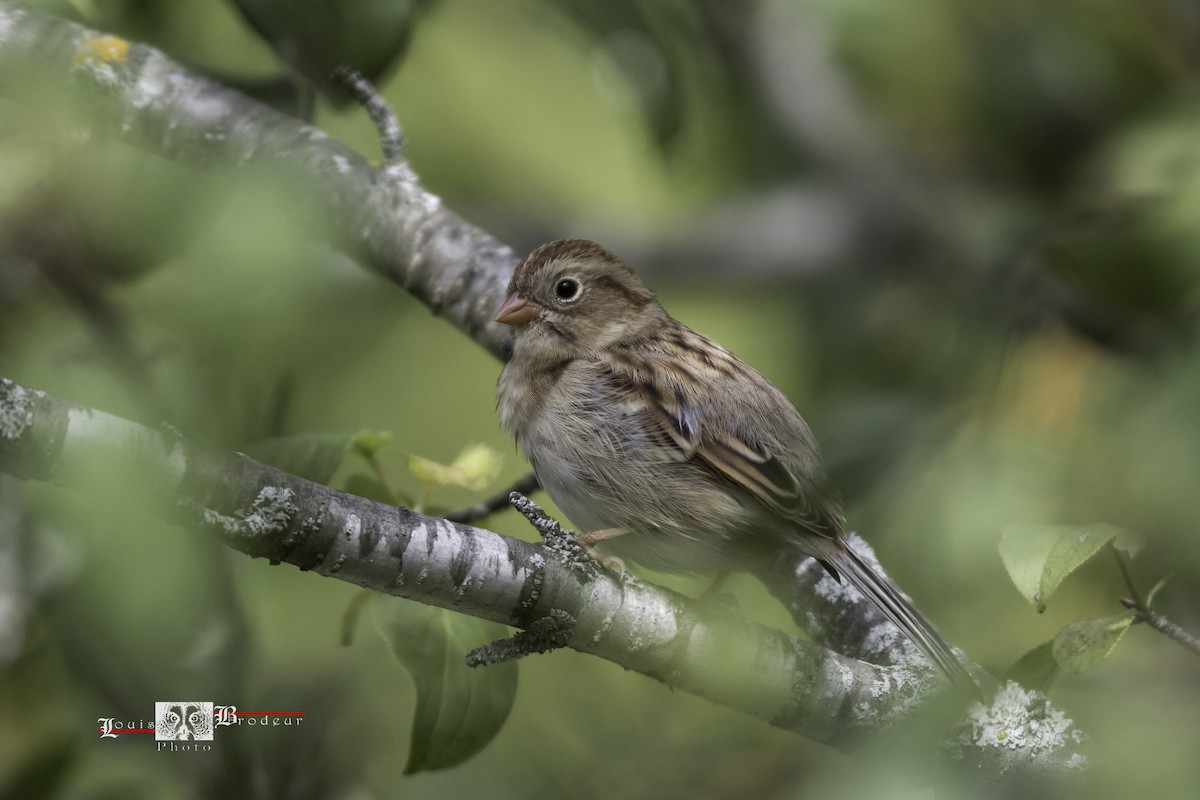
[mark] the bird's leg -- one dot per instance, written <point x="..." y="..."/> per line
<point x="589" y="539"/>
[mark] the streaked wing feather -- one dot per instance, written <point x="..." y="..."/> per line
<point x="671" y="421"/>
<point x="766" y="478"/>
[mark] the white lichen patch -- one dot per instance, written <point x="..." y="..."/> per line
<point x="1076" y="761"/>
<point x="901" y="690"/>
<point x="16" y="410"/>
<point x="838" y="674"/>
<point x="1019" y="728"/>
<point x="885" y="643"/>
<point x="430" y="202"/>
<point x="153" y="81"/>
<point x="836" y="592"/>
<point x="272" y="510"/>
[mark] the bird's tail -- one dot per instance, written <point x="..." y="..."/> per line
<point x="841" y="559"/>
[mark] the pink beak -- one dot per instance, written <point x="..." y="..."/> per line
<point x="517" y="310"/>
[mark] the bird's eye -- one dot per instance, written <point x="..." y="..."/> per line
<point x="567" y="289"/>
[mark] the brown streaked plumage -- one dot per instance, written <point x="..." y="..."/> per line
<point x="682" y="456"/>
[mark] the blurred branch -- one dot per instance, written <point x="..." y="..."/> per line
<point x="391" y="138"/>
<point x="389" y="221"/>
<point x="895" y="202"/>
<point x="1168" y="628"/>
<point x="806" y="228"/>
<point x="700" y="647"/>
<point x="1145" y="613"/>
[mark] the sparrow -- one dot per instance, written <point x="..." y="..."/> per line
<point x="659" y="442"/>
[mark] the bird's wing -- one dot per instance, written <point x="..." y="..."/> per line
<point x="678" y="420"/>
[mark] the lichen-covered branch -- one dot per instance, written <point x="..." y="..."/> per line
<point x="692" y="645"/>
<point x="388" y="220"/>
<point x="838" y="616"/>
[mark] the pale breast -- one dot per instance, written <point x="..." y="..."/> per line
<point x="586" y="439"/>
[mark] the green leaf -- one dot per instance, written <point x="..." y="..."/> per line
<point x="367" y="486"/>
<point x="314" y="36"/>
<point x="474" y="468"/>
<point x="1082" y="645"/>
<point x="1037" y="669"/>
<point x="459" y="708"/>
<point x="315" y="456"/>
<point x="1038" y="557"/>
<point x="354" y="612"/>
<point x="369" y="442"/>
<point x="1129" y="542"/>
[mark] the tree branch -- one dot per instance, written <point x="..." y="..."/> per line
<point x="389" y="222"/>
<point x="699" y="647"/>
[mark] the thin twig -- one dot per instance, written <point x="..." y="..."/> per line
<point x="1127" y="572"/>
<point x="1146" y="614"/>
<point x="551" y="632"/>
<point x="391" y="137"/>
<point x="485" y="508"/>
<point x="557" y="539"/>
<point x="1168" y="628"/>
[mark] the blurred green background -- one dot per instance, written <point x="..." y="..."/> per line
<point x="962" y="237"/>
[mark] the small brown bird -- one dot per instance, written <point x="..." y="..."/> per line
<point x="658" y="441"/>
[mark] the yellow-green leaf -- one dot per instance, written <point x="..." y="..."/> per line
<point x="1129" y="542"/>
<point x="369" y="442"/>
<point x="1038" y="557"/>
<point x="1082" y="645"/>
<point x="473" y="469"/>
